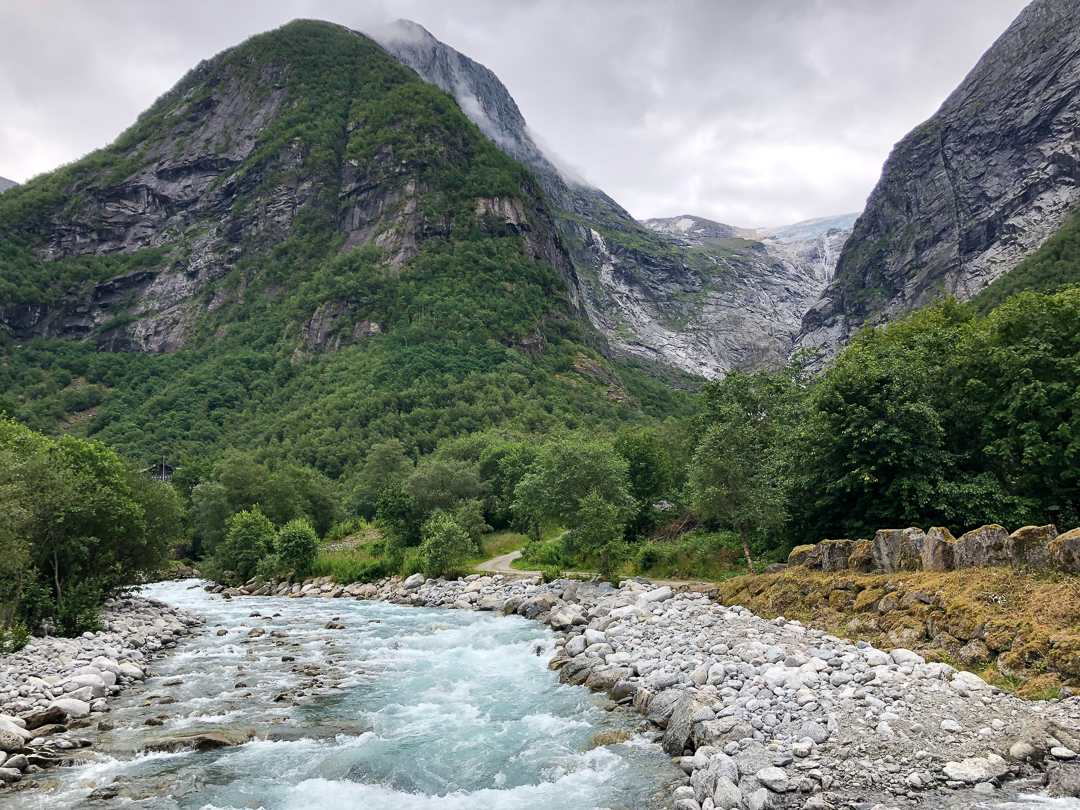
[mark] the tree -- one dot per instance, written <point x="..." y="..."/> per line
<point x="399" y="518"/>
<point x="210" y="511"/>
<point x="738" y="472"/>
<point x="563" y="475"/>
<point x="386" y="465"/>
<point x="501" y="468"/>
<point x="297" y="545"/>
<point x="649" y="469"/>
<point x="470" y="517"/>
<point x="445" y="546"/>
<point x="249" y="537"/>
<point x="598" y="531"/>
<point x="442" y="483"/>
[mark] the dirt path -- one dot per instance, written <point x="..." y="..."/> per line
<point x="501" y="565"/>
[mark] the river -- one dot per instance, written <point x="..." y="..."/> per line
<point x="404" y="708"/>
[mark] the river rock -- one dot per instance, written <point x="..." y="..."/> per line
<point x="1063" y="780"/>
<point x="74" y="708"/>
<point x="662" y="705"/>
<point x="10" y="741"/>
<point x="413" y="582"/>
<point x="976" y="769"/>
<point x="680" y="724"/>
<point x="10" y="775"/>
<point x="726" y="796"/>
<point x="197" y="740"/>
<point x="775" y="779"/>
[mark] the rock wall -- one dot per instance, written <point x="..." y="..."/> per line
<point x="1033" y="548"/>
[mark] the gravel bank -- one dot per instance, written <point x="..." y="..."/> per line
<point x="55" y="686"/>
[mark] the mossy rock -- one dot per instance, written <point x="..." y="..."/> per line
<point x="861" y="558"/>
<point x="868" y="599"/>
<point x="1064" y="656"/>
<point x="799" y="554"/>
<point x="841" y="599"/>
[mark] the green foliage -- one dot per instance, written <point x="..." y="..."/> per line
<point x="445" y="546"/>
<point x="249" y="537"/>
<point x="598" y="532"/>
<point x="563" y="475"/>
<point x="649" y="468"/>
<point x="386" y="465"/>
<point x="550" y="573"/>
<point x="297" y="544"/>
<point x="438" y="483"/>
<point x="469" y="516"/>
<point x="14" y="637"/>
<point x="399" y="518"/>
<point x="75" y="524"/>
<point x="1054" y="265"/>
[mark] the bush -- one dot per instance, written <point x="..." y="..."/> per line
<point x="249" y="537"/>
<point x="14" y="638"/>
<point x="297" y="545"/>
<point x="550" y="573"/>
<point x="445" y="546"/>
<point x="271" y="567"/>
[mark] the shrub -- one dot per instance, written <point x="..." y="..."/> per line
<point x="550" y="573"/>
<point x="14" y="638"/>
<point x="249" y="537"/>
<point x="445" y="546"/>
<point x="297" y="545"/>
<point x="271" y="567"/>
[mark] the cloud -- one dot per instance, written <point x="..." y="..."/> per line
<point x="753" y="112"/>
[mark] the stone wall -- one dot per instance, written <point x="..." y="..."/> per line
<point x="1032" y="548"/>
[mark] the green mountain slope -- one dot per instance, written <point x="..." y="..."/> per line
<point x="301" y="249"/>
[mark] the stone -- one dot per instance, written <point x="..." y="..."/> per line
<point x="976" y="769"/>
<point x="662" y="705"/>
<point x="726" y="795"/>
<point x="834" y="554"/>
<point x="1063" y="780"/>
<point x="815" y="731"/>
<point x="909" y="555"/>
<point x="19" y="762"/>
<point x="1061" y="752"/>
<point x="951" y="726"/>
<point x="759" y="799"/>
<point x="10" y="775"/>
<point x="797" y="556"/>
<point x="981" y="548"/>
<point x="197" y="740"/>
<point x="413" y="582"/>
<point x="610" y="737"/>
<point x="937" y="549"/>
<point x="775" y="779"/>
<point x="10" y="741"/>
<point x="974" y="653"/>
<point x="970" y="681"/>
<point x="575" y="646"/>
<point x="1064" y="552"/>
<point x="902" y="656"/>
<point x="74" y="709"/>
<point x="885" y="549"/>
<point x="1029" y="547"/>
<point x="661" y="594"/>
<point x="680" y="724"/>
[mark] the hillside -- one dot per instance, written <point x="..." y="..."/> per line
<point x="301" y="249"/>
<point x="653" y="297"/>
<point x="967" y="196"/>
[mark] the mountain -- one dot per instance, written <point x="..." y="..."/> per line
<point x="655" y="293"/>
<point x="301" y="249"/>
<point x="753" y="289"/>
<point x="5" y="184"/>
<point x="964" y="198"/>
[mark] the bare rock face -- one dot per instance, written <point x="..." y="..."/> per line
<point x="686" y="292"/>
<point x="5" y="184"/>
<point x="963" y="198"/>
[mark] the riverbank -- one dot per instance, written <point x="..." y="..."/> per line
<point x="764" y="713"/>
<point x="54" y="687"/>
<point x="774" y="713"/>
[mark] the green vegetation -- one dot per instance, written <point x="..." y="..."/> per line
<point x="76" y="523"/>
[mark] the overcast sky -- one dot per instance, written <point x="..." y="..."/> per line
<point x="750" y="112"/>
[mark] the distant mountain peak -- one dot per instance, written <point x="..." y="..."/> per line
<point x="5" y="184"/>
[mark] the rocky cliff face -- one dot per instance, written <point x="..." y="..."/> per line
<point x="655" y="292"/>
<point x="742" y="297"/>
<point x="236" y="169"/>
<point x="5" y="184"/>
<point x="966" y="196"/>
